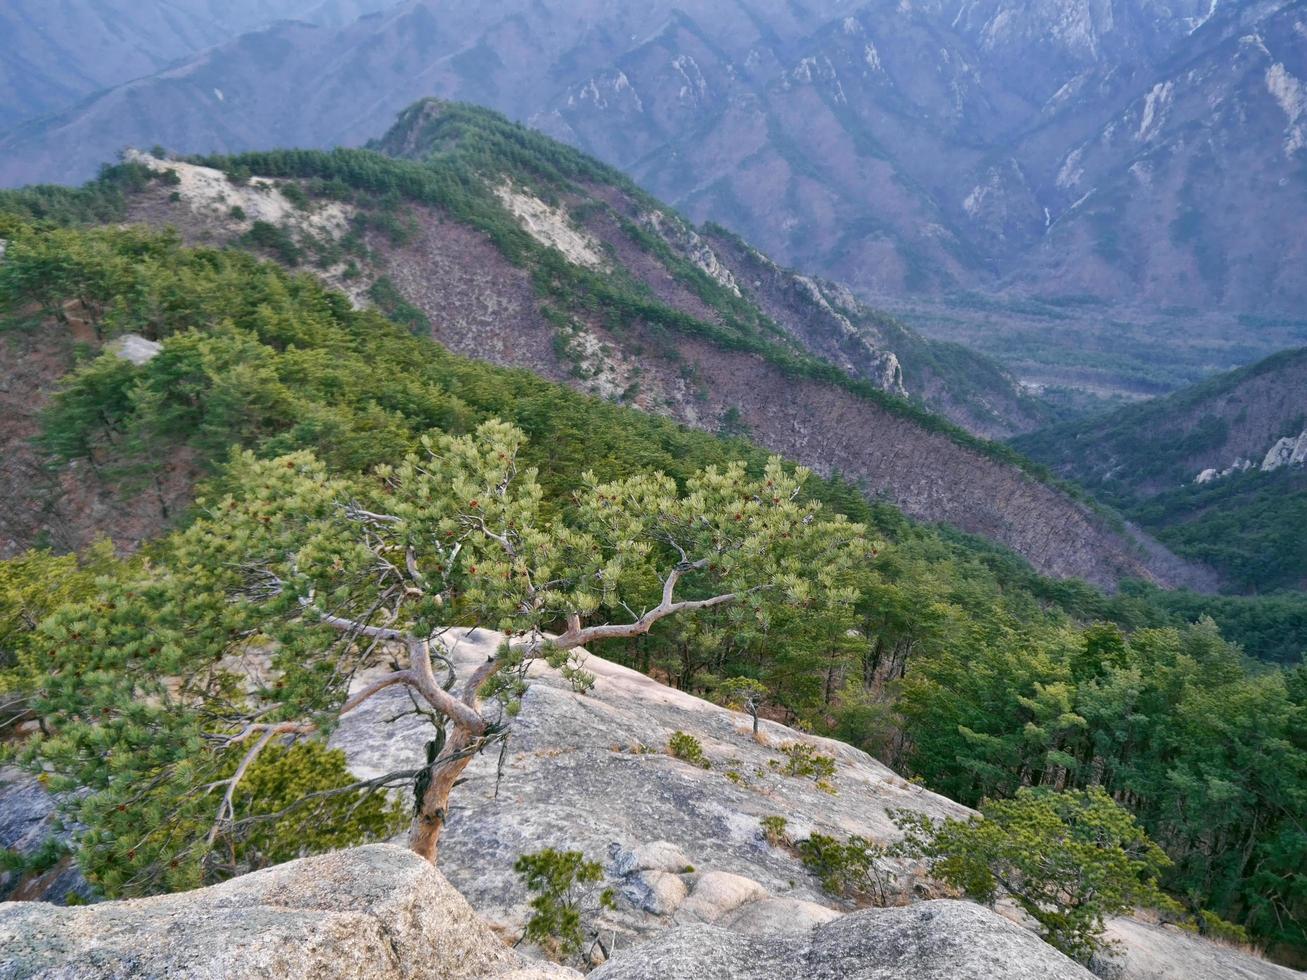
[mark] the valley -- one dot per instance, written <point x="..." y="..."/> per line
<point x="744" y="348"/>
<point x="1084" y="356"/>
<point x="1214" y="469"/>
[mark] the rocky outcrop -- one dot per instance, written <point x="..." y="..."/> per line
<point x="1147" y="951"/>
<point x="687" y="241"/>
<point x="1288" y="451"/>
<point x="682" y="846"/>
<point x="591" y="772"/>
<point x="938" y="940"/>
<point x="379" y="912"/>
<point x="549" y="226"/>
<point x="29" y="825"/>
<point x="701" y="894"/>
<point x="382" y="913"/>
<point x="1211" y="473"/>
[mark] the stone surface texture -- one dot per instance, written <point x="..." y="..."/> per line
<point x="936" y="940"/>
<point x="682" y="846"/>
<point x="591" y="772"/>
<point x="373" y="912"/>
<point x="701" y="894"/>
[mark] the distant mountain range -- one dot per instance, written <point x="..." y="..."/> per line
<point x="53" y="55"/>
<point x="1134" y="152"/>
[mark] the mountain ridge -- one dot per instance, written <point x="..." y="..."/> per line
<point x="652" y="329"/>
<point x="891" y="147"/>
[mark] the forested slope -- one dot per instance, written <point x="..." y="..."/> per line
<point x="1191" y="468"/>
<point x="955" y="663"/>
<point x="509" y="247"/>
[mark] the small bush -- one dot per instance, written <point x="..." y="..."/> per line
<point x="295" y="194"/>
<point x="237" y="212"/>
<point x="45" y="857"/>
<point x="572" y="671"/>
<point x="1213" y="926"/>
<point x="853" y="869"/>
<point x="775" y="830"/>
<point x="803" y="761"/>
<point x="561" y="882"/>
<point x="276" y="240"/>
<point x="391" y="302"/>
<point x="1069" y="860"/>
<point x="687" y="749"/>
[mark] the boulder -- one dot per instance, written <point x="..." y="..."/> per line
<point x="716" y="893"/>
<point x="659" y="855"/>
<point x="583" y="771"/>
<point x="134" y="348"/>
<point x="656" y="892"/>
<point x="777" y="916"/>
<point x="1289" y="451"/>
<point x="938" y="940"/>
<point x="377" y="912"/>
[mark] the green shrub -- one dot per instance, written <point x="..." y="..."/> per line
<point x="1213" y="926"/>
<point x="45" y="857"/>
<point x="391" y="302"/>
<point x="567" y="663"/>
<point x="1069" y="860"/>
<point x="687" y="749"/>
<point x="853" y="869"/>
<point x="295" y="194"/>
<point x="274" y="239"/>
<point x="561" y="883"/>
<point x="804" y="761"/>
<point x="774" y="829"/>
